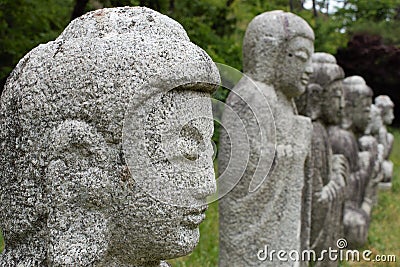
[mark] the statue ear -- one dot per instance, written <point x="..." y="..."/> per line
<point x="77" y="185"/>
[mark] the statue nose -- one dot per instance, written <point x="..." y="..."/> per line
<point x="309" y="69"/>
<point x="191" y="143"/>
<point x="207" y="188"/>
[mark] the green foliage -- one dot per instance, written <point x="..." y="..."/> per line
<point x="328" y="37"/>
<point x="371" y="11"/>
<point x="376" y="17"/>
<point x="389" y="30"/>
<point x="26" y="23"/>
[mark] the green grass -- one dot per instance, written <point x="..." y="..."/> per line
<point x="1" y="242"/>
<point x="384" y="232"/>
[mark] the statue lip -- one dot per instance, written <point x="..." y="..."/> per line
<point x="305" y="80"/>
<point x="195" y="216"/>
<point x="196" y="210"/>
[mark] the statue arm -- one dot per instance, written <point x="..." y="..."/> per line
<point x="338" y="179"/>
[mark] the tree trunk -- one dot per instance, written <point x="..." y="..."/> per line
<point x="171" y="7"/>
<point x="229" y="3"/>
<point x="397" y="15"/>
<point x="302" y="4"/>
<point x="79" y="8"/>
<point x="153" y="4"/>
<point x="327" y="7"/>
<point x="314" y="7"/>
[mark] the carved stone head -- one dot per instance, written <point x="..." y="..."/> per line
<point x="309" y="104"/>
<point x="105" y="138"/>
<point x="375" y="121"/>
<point x="358" y="96"/>
<point x="385" y="104"/>
<point x="330" y="77"/>
<point x="277" y="50"/>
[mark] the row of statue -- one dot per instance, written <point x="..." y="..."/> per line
<point x="90" y="174"/>
<point x="327" y="172"/>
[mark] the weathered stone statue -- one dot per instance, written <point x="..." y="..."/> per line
<point x="370" y="142"/>
<point x="277" y="51"/>
<point x="82" y="123"/>
<point x="358" y="98"/>
<point x="323" y="103"/>
<point x="385" y="106"/>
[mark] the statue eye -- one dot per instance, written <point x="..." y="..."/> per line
<point x="191" y="143"/>
<point x="302" y="55"/>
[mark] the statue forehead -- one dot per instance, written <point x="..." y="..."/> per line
<point x="279" y="25"/>
<point x="356" y="85"/>
<point x="325" y="69"/>
<point x="383" y="101"/>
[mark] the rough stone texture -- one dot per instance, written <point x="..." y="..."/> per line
<point x="323" y="103"/>
<point x="370" y="142"/>
<point x="371" y="157"/>
<point x="277" y="51"/>
<point x="385" y="106"/>
<point x="70" y="195"/>
<point x="358" y="98"/>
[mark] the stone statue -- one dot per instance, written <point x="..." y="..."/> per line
<point x="371" y="159"/>
<point x="76" y="115"/>
<point x="323" y="103"/>
<point x="358" y="99"/>
<point x="277" y="51"/>
<point x="385" y="106"/>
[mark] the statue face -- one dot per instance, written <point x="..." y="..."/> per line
<point x="333" y="103"/>
<point x="169" y="153"/>
<point x="375" y="121"/>
<point x="126" y="168"/>
<point x="361" y="112"/>
<point x="296" y="67"/>
<point x="387" y="115"/>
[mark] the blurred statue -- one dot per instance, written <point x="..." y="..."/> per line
<point x="358" y="98"/>
<point x="82" y="120"/>
<point x="385" y="106"/>
<point x="277" y="51"/>
<point x="323" y="103"/>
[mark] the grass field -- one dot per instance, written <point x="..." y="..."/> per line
<point x="383" y="239"/>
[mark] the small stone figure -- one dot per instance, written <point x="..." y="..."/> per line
<point x="385" y="138"/>
<point x="323" y="103"/>
<point x="358" y="100"/>
<point x="277" y="50"/>
<point x="82" y="122"/>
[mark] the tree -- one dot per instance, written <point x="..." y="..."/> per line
<point x="79" y="8"/>
<point x="379" y="64"/>
<point x="24" y="24"/>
